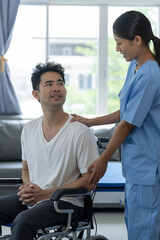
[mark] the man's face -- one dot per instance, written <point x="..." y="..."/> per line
<point x="52" y="91"/>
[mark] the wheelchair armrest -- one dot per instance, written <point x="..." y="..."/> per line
<point x="10" y="180"/>
<point x="56" y="196"/>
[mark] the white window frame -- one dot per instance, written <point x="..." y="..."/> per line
<point x="103" y="34"/>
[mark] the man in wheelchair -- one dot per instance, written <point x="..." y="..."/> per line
<point x="55" y="154"/>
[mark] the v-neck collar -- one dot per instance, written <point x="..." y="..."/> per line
<point x="58" y="133"/>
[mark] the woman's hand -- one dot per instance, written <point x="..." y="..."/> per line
<point x="81" y="119"/>
<point x="99" y="167"/>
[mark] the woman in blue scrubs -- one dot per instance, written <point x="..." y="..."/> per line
<point x="138" y="131"/>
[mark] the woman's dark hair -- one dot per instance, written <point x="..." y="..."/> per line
<point x="41" y="68"/>
<point x="133" y="23"/>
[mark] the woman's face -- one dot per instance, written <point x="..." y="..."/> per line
<point x="128" y="48"/>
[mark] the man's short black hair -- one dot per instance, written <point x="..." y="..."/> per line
<point x="41" y="68"/>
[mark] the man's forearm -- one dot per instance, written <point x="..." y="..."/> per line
<point x="25" y="176"/>
<point x="25" y="172"/>
<point x="81" y="182"/>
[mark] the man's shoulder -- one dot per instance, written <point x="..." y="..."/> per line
<point x="33" y="123"/>
<point x="78" y="125"/>
<point x="80" y="129"/>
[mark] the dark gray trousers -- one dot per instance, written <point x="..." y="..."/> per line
<point x="26" y="221"/>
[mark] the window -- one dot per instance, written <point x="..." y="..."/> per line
<point x="78" y="37"/>
<point x="67" y="51"/>
<point x="117" y="66"/>
<point x="85" y="81"/>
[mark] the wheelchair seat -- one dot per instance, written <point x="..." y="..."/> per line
<point x="73" y="229"/>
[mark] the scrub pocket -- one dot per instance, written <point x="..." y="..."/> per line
<point x="142" y="211"/>
<point x="149" y="195"/>
<point x="136" y="168"/>
<point x="143" y="196"/>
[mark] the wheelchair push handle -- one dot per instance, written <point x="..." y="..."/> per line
<point x="101" y="140"/>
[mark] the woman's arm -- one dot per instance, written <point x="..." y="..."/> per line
<point x="99" y="166"/>
<point x="106" y="119"/>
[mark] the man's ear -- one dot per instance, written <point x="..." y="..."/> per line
<point x="138" y="40"/>
<point x="35" y="94"/>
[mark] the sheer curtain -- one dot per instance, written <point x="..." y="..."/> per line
<point x="8" y="101"/>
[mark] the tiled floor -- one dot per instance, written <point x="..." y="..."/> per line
<point x="109" y="224"/>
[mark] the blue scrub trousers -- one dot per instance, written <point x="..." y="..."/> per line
<point x="142" y="211"/>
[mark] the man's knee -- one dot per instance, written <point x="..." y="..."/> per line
<point x="23" y="227"/>
<point x="22" y="220"/>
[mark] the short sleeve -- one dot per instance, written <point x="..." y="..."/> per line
<point x="140" y="101"/>
<point x="87" y="151"/>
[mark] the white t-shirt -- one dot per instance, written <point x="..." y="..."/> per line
<point x="61" y="160"/>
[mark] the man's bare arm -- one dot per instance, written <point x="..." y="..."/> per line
<point x="25" y="172"/>
<point x="31" y="193"/>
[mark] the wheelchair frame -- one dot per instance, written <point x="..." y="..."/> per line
<point x="73" y="230"/>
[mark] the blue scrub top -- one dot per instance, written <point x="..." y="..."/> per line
<point x="140" y="106"/>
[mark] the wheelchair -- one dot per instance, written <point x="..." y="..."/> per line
<point x="73" y="229"/>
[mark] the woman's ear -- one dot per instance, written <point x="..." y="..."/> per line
<point x="138" y="40"/>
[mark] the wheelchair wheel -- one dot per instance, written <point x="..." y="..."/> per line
<point x="6" y="237"/>
<point x="97" y="237"/>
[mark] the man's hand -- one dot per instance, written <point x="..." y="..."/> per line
<point x="99" y="167"/>
<point x="30" y="194"/>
